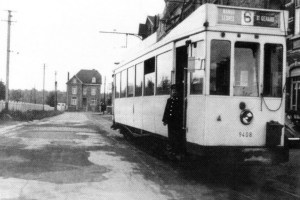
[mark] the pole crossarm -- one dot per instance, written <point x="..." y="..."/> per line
<point x="122" y="33"/>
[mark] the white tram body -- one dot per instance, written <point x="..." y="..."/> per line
<point x="230" y="60"/>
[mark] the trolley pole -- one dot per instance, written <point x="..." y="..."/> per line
<point x="7" y="60"/>
<point x="104" y="88"/>
<point x="123" y="33"/>
<point x="55" y="98"/>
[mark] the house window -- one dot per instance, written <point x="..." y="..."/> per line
<point x="93" y="101"/>
<point x="74" y="80"/>
<point x="297" y="21"/>
<point x="84" y="91"/>
<point x="94" y="80"/>
<point x="93" y="91"/>
<point x="139" y="73"/>
<point x="164" y="68"/>
<point x="149" y="72"/>
<point x="74" y="101"/>
<point x="74" y="90"/>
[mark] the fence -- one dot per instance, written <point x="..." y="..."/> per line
<point x="21" y="106"/>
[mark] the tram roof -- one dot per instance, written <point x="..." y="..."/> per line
<point x="218" y="18"/>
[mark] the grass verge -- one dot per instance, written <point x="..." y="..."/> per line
<point x="28" y="115"/>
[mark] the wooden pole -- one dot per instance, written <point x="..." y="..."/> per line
<point x="7" y="61"/>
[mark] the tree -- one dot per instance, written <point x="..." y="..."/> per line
<point x="16" y="95"/>
<point x="2" y="91"/>
<point x="51" y="99"/>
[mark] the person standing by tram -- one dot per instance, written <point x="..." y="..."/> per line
<point x="173" y="117"/>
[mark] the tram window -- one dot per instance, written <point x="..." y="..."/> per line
<point x="149" y="71"/>
<point x="273" y="70"/>
<point x="220" y="67"/>
<point x="139" y="75"/>
<point x="130" y="83"/>
<point x="123" y="83"/>
<point x="164" y="68"/>
<point x="117" y="85"/>
<point x="246" y="68"/>
<point x="196" y="76"/>
<point x="197" y="82"/>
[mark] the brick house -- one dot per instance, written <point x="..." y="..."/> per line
<point x="149" y="27"/>
<point x="83" y="91"/>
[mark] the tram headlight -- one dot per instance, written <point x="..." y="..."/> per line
<point x="246" y="117"/>
<point x="242" y="105"/>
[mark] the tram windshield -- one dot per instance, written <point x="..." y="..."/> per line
<point x="220" y="67"/>
<point x="246" y="68"/>
<point x="273" y="70"/>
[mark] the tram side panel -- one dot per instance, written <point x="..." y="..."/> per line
<point x="144" y="113"/>
<point x="129" y="111"/>
<point x="196" y="119"/>
<point x="159" y="107"/>
<point x="121" y="110"/>
<point x="153" y="108"/>
<point x="138" y="112"/>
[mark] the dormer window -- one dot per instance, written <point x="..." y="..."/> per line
<point x="74" y="80"/>
<point x="94" y="80"/>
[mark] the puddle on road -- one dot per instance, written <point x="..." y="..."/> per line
<point x="51" y="164"/>
<point x="41" y="140"/>
<point x="40" y="137"/>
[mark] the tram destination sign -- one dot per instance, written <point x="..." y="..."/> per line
<point x="248" y="17"/>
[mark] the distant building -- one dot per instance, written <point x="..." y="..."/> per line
<point x="150" y="27"/>
<point x="176" y="11"/>
<point x="293" y="56"/>
<point x="83" y="91"/>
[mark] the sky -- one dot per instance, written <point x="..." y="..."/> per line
<point x="64" y="36"/>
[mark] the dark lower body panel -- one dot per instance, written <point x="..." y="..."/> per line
<point x="242" y="155"/>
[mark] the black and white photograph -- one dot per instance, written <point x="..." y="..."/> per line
<point x="150" y="99"/>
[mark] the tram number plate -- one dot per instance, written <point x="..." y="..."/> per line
<point x="246" y="134"/>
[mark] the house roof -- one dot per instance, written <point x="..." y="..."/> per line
<point x="86" y="76"/>
<point x="151" y="19"/>
<point x="170" y="7"/>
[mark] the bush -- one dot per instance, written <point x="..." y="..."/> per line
<point x="28" y="115"/>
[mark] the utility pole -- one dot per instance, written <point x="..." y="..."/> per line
<point x="55" y="98"/>
<point x="7" y="60"/>
<point x="104" y="89"/>
<point x="44" y="88"/>
<point x="34" y="95"/>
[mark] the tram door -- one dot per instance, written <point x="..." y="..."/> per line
<point x="180" y="80"/>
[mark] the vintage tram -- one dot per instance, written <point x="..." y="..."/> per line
<point x="230" y="63"/>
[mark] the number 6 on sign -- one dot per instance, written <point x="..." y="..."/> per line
<point x="247" y="18"/>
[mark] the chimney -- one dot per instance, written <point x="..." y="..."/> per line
<point x="68" y="76"/>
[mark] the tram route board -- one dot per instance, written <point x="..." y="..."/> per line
<point x="248" y="17"/>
